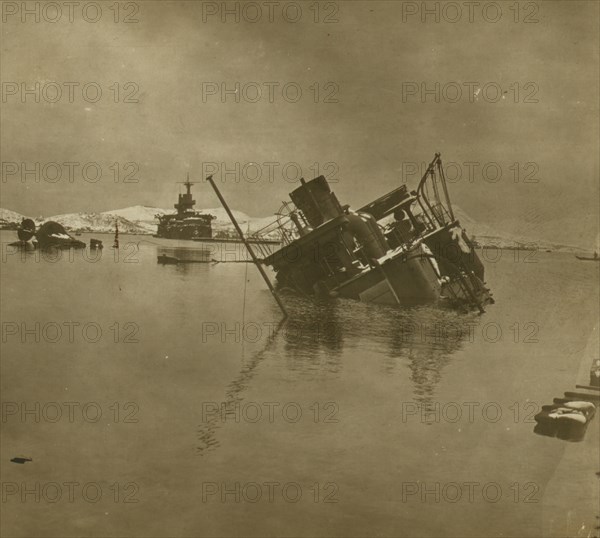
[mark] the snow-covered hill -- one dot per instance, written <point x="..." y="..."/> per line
<point x="486" y="235"/>
<point x="8" y="216"/>
<point x="135" y="219"/>
<point x="141" y="220"/>
<point x="138" y="213"/>
<point x="97" y="222"/>
<point x="145" y="217"/>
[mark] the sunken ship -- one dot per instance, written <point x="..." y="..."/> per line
<point x="186" y="223"/>
<point x="49" y="234"/>
<point x="403" y="248"/>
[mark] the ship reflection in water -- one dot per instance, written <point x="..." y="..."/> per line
<point x="182" y="256"/>
<point x="421" y="338"/>
<point x="416" y="343"/>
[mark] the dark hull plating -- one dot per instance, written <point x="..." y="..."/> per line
<point x="184" y="230"/>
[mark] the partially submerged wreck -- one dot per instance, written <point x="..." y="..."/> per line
<point x="49" y="234"/>
<point x="53" y="234"/>
<point x="403" y="248"/>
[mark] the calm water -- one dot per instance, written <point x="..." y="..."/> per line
<point x="350" y="420"/>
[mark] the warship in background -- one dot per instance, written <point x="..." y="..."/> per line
<point x="187" y="223"/>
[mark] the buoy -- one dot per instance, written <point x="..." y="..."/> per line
<point x="116" y="243"/>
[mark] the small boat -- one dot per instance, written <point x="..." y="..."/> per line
<point x="172" y="260"/>
<point x="567" y="420"/>
<point x="577" y="411"/>
<point x="588" y="259"/>
<point x="164" y="259"/>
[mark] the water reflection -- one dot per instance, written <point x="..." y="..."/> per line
<point x="233" y="398"/>
<point x="25" y="251"/>
<point x="182" y="255"/>
<point x="313" y="337"/>
<point x="425" y="339"/>
<point x="422" y="339"/>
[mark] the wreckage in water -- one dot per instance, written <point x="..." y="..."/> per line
<point x="49" y="234"/>
<point x="403" y="248"/>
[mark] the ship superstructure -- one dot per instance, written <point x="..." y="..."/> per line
<point x="186" y="223"/>
<point x="405" y="247"/>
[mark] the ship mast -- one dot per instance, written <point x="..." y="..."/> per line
<point x="186" y="202"/>
<point x="248" y="247"/>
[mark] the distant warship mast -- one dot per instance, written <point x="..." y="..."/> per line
<point x="186" y="202"/>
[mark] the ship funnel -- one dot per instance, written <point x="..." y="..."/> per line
<point x="316" y="201"/>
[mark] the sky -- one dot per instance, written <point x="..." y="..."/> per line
<point x="364" y="117"/>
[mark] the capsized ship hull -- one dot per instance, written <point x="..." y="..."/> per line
<point x="404" y="248"/>
<point x="49" y="234"/>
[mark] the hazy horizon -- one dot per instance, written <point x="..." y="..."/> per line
<point x="372" y="62"/>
